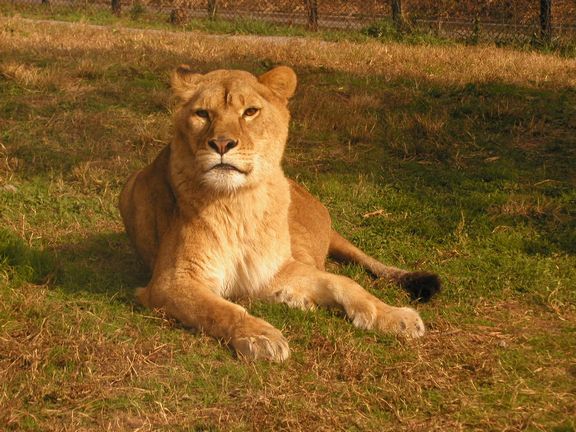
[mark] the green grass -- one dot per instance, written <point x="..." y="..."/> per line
<point x="470" y="177"/>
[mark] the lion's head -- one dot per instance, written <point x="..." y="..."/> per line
<point x="231" y="127"/>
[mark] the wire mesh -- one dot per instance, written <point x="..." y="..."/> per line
<point x="458" y="19"/>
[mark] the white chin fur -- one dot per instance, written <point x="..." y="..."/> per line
<point x="224" y="180"/>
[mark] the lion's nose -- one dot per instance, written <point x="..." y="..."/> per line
<point x="222" y="145"/>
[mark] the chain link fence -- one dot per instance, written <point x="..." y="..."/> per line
<point x="472" y="20"/>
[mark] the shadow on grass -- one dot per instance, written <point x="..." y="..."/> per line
<point x="102" y="264"/>
<point x="479" y="157"/>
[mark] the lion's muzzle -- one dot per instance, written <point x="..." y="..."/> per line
<point x="222" y="145"/>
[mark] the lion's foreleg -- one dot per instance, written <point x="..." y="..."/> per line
<point x="197" y="307"/>
<point x="303" y="286"/>
<point x="181" y="289"/>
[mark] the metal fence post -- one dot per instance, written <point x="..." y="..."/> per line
<point x="312" y="9"/>
<point x="397" y="16"/>
<point x="546" y="20"/>
<point x="212" y="9"/>
<point x="116" y="7"/>
<point x="475" y="36"/>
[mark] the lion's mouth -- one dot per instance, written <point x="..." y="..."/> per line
<point x="227" y="167"/>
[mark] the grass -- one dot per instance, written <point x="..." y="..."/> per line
<point x="383" y="30"/>
<point x="139" y="16"/>
<point x="446" y="158"/>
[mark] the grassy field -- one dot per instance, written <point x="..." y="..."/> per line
<point x="138" y="16"/>
<point x="459" y="160"/>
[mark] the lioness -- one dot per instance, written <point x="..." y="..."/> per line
<point x="215" y="219"/>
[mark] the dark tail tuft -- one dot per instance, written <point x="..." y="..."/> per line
<point x="421" y="286"/>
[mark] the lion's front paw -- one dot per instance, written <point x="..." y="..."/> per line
<point x="402" y="321"/>
<point x="255" y="339"/>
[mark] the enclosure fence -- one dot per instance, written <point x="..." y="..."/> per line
<point x="458" y="19"/>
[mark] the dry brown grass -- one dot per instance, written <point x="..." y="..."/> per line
<point x="120" y="379"/>
<point x="456" y="65"/>
<point x="529" y="207"/>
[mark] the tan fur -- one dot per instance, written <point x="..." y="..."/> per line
<point x="212" y="234"/>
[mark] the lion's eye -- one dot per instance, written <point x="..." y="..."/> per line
<point x="250" y="112"/>
<point x="202" y="114"/>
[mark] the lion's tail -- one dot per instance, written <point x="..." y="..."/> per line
<point x="420" y="285"/>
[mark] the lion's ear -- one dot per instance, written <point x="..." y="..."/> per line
<point x="184" y="81"/>
<point x="281" y="80"/>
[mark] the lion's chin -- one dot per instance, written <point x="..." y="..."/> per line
<point x="225" y="179"/>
